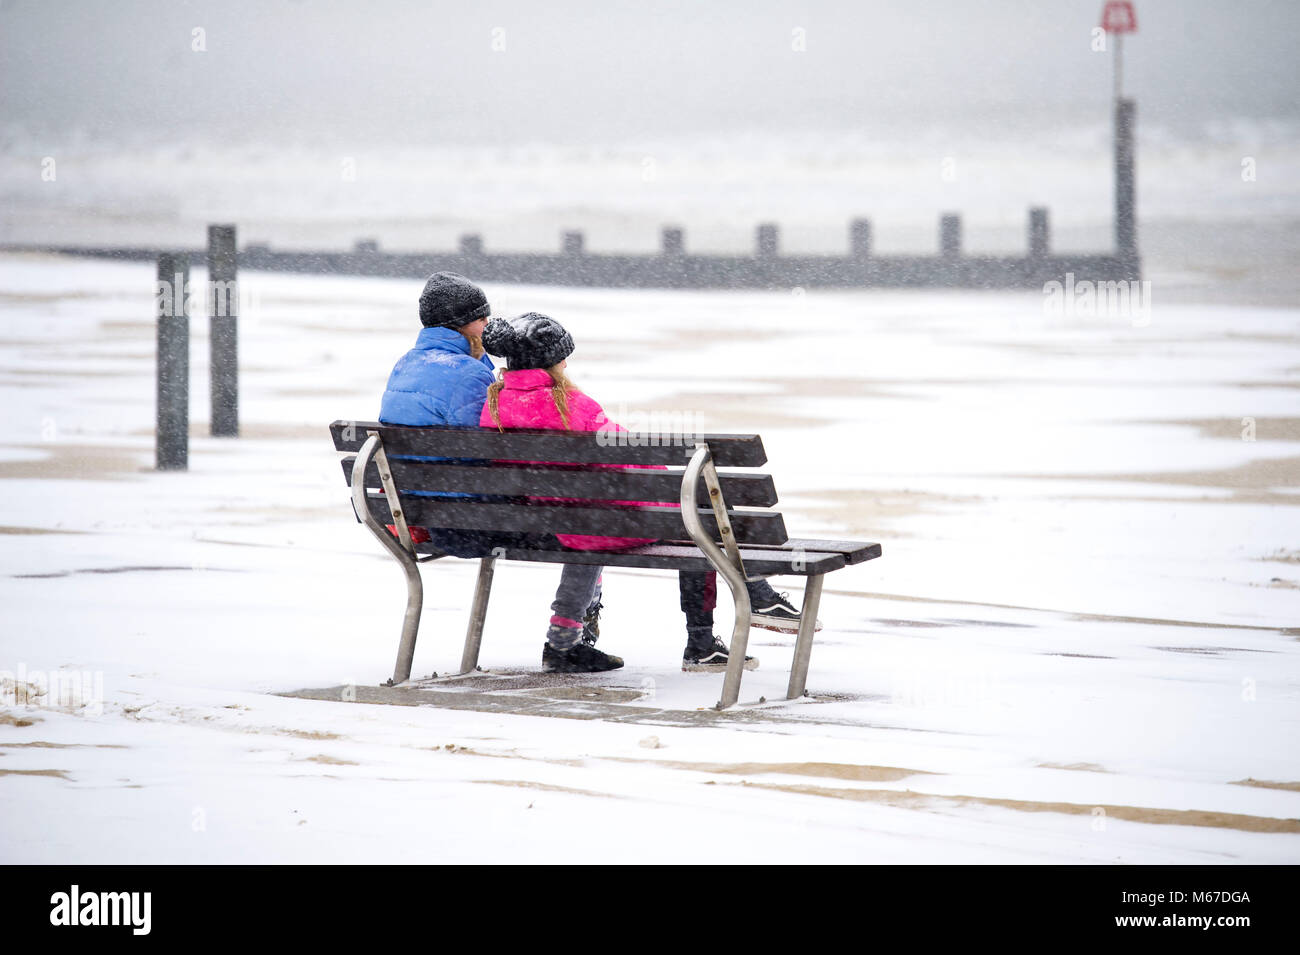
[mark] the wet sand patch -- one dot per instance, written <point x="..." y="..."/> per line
<point x="326" y="760"/>
<point x="1211" y="651"/>
<point x="1069" y="614"/>
<point x="38" y="375"/>
<point x="255" y="430"/>
<point x="39" y="744"/>
<point x="1258" y="476"/>
<point x="55" y="773"/>
<point x="989" y="623"/>
<point x="546" y="787"/>
<point x="1075" y="767"/>
<point x="78" y="462"/>
<point x="856" y="513"/>
<point x="1266" y="428"/>
<point x="852" y="771"/>
<point x="37" y="530"/>
<point x="1265" y="784"/>
<point x="922" y="624"/>
<point x="907" y="799"/>
<point x="296" y="734"/>
<point x="100" y="570"/>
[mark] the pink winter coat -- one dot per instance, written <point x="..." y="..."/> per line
<point x="525" y="401"/>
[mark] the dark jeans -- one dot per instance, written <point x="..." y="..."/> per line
<point x="699" y="593"/>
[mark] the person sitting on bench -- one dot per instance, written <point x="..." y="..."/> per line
<point x="444" y="380"/>
<point x="533" y="391"/>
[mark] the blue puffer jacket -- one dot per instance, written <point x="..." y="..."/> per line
<point x="437" y="382"/>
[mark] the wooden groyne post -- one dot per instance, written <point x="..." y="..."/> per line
<point x="223" y="330"/>
<point x="172" y="434"/>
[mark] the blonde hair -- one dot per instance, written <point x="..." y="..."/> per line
<point x="561" y="386"/>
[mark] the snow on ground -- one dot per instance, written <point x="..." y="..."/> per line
<point x="1080" y="644"/>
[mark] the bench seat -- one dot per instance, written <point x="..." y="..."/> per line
<point x="790" y="559"/>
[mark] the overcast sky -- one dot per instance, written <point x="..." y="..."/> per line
<point x="427" y="72"/>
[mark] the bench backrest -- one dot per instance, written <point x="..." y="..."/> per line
<point x="573" y="469"/>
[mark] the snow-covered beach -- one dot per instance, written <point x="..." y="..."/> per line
<point x="1080" y="644"/>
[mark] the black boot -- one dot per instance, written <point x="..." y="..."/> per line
<point x="576" y="658"/>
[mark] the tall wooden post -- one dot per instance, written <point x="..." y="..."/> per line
<point x="950" y="235"/>
<point x="672" y="242"/>
<point x="1039" y="240"/>
<point x="223" y="325"/>
<point x="172" y="434"/>
<point x="860" y="238"/>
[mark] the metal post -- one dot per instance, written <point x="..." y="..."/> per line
<point x="812" y="597"/>
<point x="477" y="614"/>
<point x="223" y="322"/>
<point x="172" y="437"/>
<point x="1125" y="193"/>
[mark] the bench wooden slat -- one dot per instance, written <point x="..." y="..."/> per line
<point x="681" y="556"/>
<point x="854" y="552"/>
<point x="577" y="447"/>
<point x="660" y="523"/>
<point x="623" y="484"/>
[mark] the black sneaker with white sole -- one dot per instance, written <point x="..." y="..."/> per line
<point x="772" y="611"/>
<point x="579" y="658"/>
<point x="710" y="657"/>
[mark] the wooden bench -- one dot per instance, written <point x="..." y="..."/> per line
<point x="704" y="519"/>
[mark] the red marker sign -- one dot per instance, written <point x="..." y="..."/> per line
<point x="1118" y="16"/>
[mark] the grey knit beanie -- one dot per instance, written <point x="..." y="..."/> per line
<point x="533" y="340"/>
<point x="450" y="300"/>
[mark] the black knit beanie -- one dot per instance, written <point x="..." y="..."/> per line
<point x="529" y="341"/>
<point x="451" y="300"/>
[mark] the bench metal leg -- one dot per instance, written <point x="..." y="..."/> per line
<point x="727" y="563"/>
<point x="812" y="597"/>
<point x="411" y="620"/>
<point x="477" y="614"/>
<point x="404" y="555"/>
<point x="739" y="638"/>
